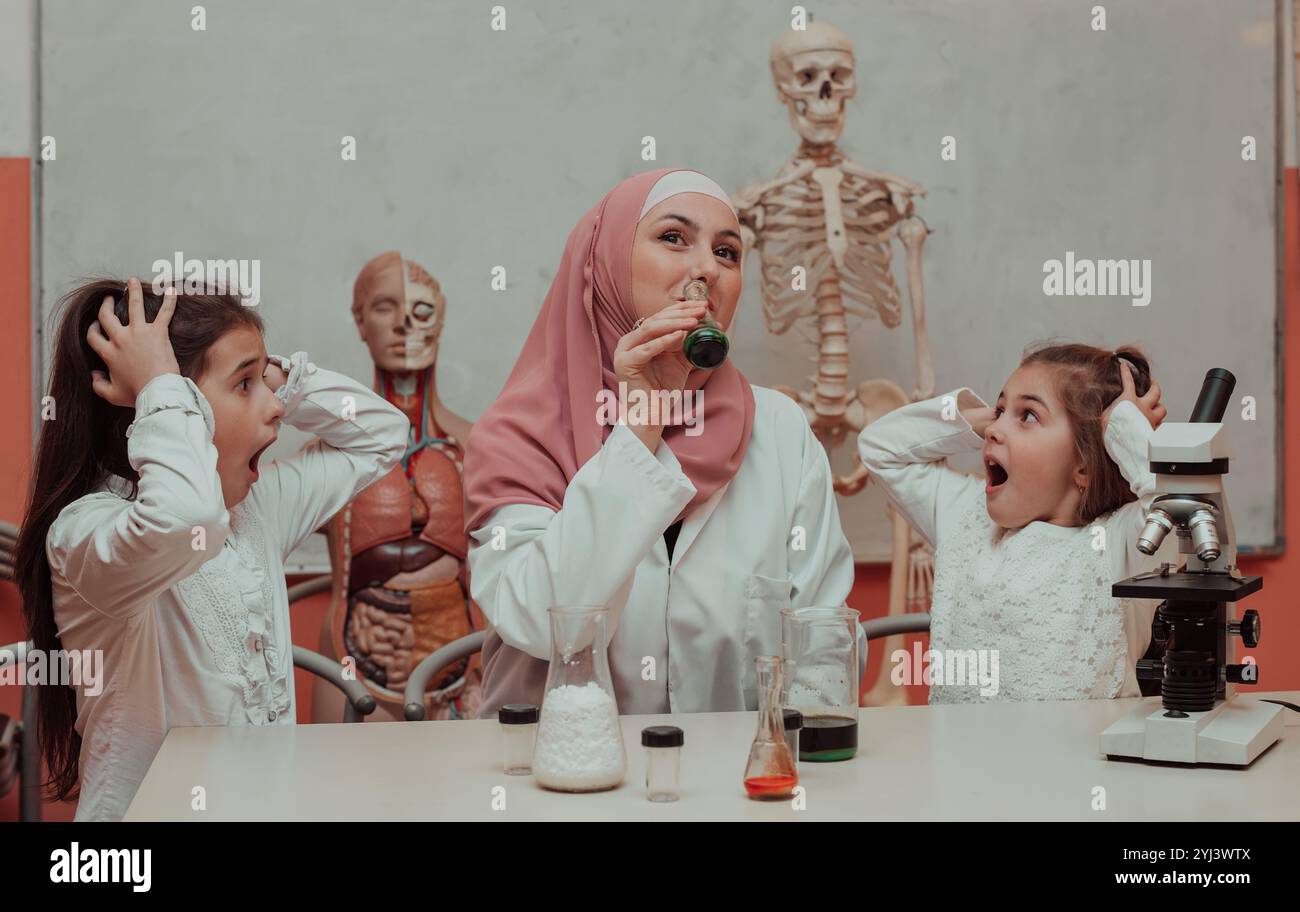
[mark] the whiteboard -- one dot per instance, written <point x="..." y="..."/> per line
<point x="479" y="148"/>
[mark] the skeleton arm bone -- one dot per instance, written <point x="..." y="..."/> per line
<point x="912" y="232"/>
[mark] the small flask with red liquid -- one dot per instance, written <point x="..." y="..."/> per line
<point x="770" y="774"/>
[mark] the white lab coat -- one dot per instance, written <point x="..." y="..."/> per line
<point x="683" y="638"/>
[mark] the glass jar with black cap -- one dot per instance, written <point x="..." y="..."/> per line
<point x="518" y="731"/>
<point x="663" y="761"/>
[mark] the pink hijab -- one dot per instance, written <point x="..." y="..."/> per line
<point x="543" y="427"/>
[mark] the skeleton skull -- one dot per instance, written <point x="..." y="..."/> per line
<point x="813" y="72"/>
<point x="399" y="309"/>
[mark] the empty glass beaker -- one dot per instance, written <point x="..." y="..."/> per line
<point x="820" y="649"/>
<point x="579" y="740"/>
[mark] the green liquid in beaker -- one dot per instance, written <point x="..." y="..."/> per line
<point x="827" y="738"/>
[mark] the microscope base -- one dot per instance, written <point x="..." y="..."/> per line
<point x="1234" y="733"/>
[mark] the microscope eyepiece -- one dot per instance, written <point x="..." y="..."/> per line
<point x="1216" y="390"/>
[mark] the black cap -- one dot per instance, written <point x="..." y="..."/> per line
<point x="662" y="736"/>
<point x="793" y="719"/>
<point x="517" y="714"/>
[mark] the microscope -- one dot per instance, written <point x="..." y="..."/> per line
<point x="1197" y="719"/>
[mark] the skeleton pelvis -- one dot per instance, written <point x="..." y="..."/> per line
<point x="873" y="399"/>
<point x="833" y="420"/>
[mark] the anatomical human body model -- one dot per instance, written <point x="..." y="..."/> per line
<point x="398" y="551"/>
<point x="837" y="221"/>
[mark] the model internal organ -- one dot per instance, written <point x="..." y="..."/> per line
<point x="405" y="595"/>
<point x="398" y="551"/>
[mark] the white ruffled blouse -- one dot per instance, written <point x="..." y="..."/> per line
<point x="186" y="599"/>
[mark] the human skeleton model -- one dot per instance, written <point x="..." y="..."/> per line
<point x="398" y="551"/>
<point x="838" y="221"/>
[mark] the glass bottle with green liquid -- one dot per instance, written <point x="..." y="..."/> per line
<point x="706" y="345"/>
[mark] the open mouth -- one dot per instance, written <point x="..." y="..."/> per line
<point x="996" y="473"/>
<point x="252" y="462"/>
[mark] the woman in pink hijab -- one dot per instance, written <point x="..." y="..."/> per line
<point x="694" y="523"/>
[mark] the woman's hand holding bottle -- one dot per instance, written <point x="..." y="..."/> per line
<point x="650" y="359"/>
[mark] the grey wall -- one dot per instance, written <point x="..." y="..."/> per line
<point x="17" y="71"/>
<point x="479" y="148"/>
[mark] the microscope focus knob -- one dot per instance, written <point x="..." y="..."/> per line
<point x="1150" y="669"/>
<point x="1160" y="629"/>
<point x="1237" y="674"/>
<point x="1247" y="628"/>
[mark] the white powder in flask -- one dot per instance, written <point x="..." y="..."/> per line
<point x="579" y="741"/>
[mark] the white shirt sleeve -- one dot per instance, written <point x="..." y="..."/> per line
<point x="527" y="558"/>
<point x="1127" y="438"/>
<point x="120" y="554"/>
<point x="905" y="451"/>
<point x="360" y="436"/>
<point x="1128" y="433"/>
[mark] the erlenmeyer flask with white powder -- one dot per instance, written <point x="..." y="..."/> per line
<point x="579" y="739"/>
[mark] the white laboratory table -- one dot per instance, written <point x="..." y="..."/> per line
<point x="1001" y="761"/>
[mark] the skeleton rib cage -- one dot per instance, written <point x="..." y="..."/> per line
<point x="793" y="233"/>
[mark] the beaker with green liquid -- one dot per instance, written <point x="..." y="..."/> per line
<point x="819" y="651"/>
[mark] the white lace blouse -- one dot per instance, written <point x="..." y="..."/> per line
<point x="186" y="599"/>
<point x="1039" y="596"/>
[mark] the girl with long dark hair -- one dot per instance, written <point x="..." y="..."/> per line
<point x="156" y="534"/>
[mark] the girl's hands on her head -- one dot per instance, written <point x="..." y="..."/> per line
<point x="1149" y="404"/>
<point x="275" y="376"/>
<point x="135" y="353"/>
<point x="979" y="417"/>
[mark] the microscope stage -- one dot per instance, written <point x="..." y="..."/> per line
<point x="1191" y="587"/>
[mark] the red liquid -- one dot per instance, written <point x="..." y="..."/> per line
<point x="771" y="786"/>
